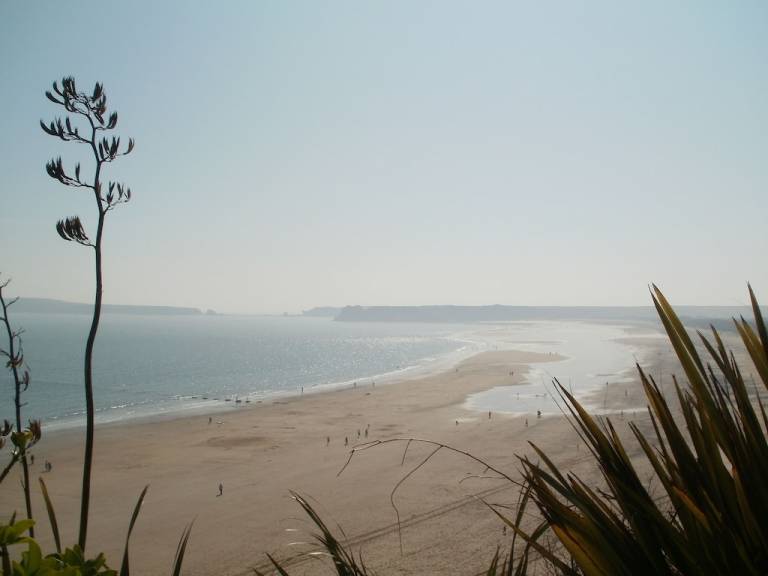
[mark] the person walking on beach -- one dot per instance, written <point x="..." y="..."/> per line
<point x="221" y="489"/>
<point x="346" y="441"/>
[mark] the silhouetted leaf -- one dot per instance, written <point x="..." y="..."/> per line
<point x="181" y="549"/>
<point x="51" y="514"/>
<point x="71" y="229"/>
<point x="52" y="98"/>
<point x="124" y="569"/>
<point x="48" y="130"/>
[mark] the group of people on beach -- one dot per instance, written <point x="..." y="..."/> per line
<point x="360" y="434"/>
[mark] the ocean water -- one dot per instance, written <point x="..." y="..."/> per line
<point x="154" y="365"/>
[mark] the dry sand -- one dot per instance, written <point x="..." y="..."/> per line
<point x="260" y="452"/>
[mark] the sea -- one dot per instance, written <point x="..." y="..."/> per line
<point x="148" y="366"/>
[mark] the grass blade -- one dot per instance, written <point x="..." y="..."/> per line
<point x="51" y="514"/>
<point x="280" y="569"/>
<point x="124" y="568"/>
<point x="181" y="549"/>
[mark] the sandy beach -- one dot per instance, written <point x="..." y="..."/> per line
<point x="260" y="452"/>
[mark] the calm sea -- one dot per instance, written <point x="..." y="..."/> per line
<point x="152" y="365"/>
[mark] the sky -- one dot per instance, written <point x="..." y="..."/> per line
<point x="298" y="154"/>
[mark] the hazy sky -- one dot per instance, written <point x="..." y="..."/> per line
<point x="294" y="154"/>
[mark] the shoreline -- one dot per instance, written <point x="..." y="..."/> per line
<point x="475" y="338"/>
<point x="205" y="406"/>
<point x="482" y="342"/>
<point x="224" y="409"/>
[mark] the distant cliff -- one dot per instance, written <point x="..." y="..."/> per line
<point x="48" y="306"/>
<point x="696" y="315"/>
<point x="322" y="311"/>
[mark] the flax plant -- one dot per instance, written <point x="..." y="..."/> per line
<point x="711" y="462"/>
<point x="92" y="110"/>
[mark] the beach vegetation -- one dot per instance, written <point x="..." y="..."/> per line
<point x="344" y="561"/>
<point x="21" y="438"/>
<point x="91" y="110"/>
<point x="32" y="562"/>
<point x="708" y="452"/>
<point x="708" y="456"/>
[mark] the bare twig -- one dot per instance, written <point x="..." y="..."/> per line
<point x="375" y="443"/>
<point x="438" y="446"/>
<point x="15" y="355"/>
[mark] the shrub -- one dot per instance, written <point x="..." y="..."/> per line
<point x="712" y="464"/>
